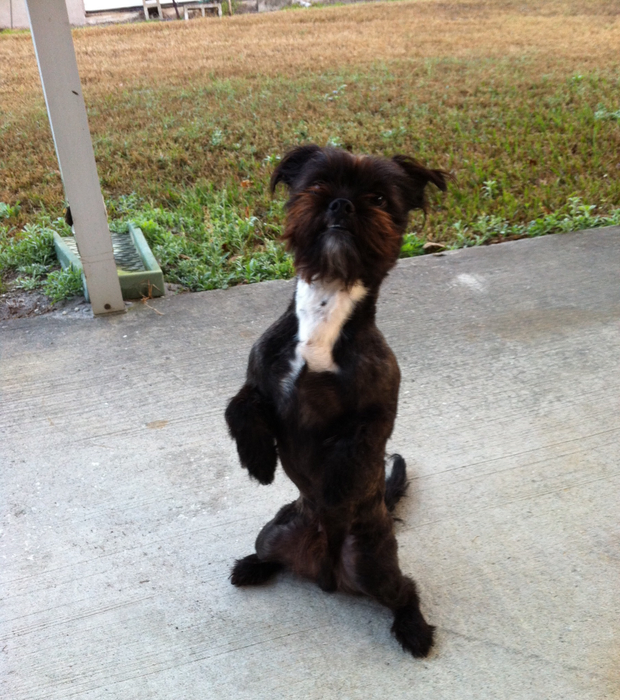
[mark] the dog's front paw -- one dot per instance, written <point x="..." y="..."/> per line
<point x="412" y="631"/>
<point x="260" y="462"/>
<point x="251" y="571"/>
<point x="247" y="416"/>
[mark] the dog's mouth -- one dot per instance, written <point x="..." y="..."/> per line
<point x="339" y="257"/>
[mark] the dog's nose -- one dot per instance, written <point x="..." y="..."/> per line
<point x="340" y="206"/>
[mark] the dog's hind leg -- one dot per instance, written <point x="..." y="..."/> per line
<point x="410" y="628"/>
<point x="335" y="526"/>
<point x="271" y="552"/>
<point x="378" y="575"/>
<point x="251" y="571"/>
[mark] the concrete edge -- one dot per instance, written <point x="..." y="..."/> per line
<point x="419" y="260"/>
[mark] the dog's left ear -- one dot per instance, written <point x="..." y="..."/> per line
<point x="292" y="164"/>
<point x="417" y="178"/>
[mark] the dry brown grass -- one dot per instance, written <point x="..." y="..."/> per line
<point x="584" y="34"/>
<point x="504" y="90"/>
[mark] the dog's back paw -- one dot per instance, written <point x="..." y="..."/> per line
<point x="251" y="571"/>
<point x="412" y="631"/>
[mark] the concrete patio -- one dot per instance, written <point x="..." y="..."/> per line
<point x="124" y="505"/>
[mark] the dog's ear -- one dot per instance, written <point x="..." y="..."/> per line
<point x="417" y="178"/>
<point x="292" y="164"/>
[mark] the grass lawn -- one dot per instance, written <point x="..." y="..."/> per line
<point x="520" y="99"/>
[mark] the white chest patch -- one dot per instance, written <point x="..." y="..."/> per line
<point x="322" y="310"/>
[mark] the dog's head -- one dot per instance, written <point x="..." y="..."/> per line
<point x="347" y="214"/>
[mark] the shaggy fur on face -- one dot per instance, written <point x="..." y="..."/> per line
<point x="321" y="390"/>
<point x="347" y="214"/>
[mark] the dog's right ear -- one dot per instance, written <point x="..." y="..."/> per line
<point x="292" y="164"/>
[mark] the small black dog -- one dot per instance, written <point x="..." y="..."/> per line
<point x="322" y="385"/>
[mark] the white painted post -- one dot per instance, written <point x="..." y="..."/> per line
<point x="53" y="45"/>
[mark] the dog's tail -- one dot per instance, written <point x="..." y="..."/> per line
<point x="397" y="483"/>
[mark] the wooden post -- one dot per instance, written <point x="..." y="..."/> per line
<point x="53" y="45"/>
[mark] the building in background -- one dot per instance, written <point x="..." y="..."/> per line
<point x="13" y="14"/>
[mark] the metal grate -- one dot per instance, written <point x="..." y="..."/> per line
<point x="126" y="256"/>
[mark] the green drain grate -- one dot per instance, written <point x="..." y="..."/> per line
<point x="138" y="272"/>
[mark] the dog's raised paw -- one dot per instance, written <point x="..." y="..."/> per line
<point x="412" y="631"/>
<point x="251" y="571"/>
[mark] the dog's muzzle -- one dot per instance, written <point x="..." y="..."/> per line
<point x="339" y="256"/>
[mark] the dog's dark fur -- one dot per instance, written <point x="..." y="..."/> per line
<point x="345" y="223"/>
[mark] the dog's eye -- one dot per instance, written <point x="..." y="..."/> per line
<point x="316" y="187"/>
<point x="378" y="200"/>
